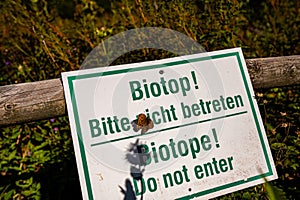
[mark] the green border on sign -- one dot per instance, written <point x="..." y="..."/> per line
<point x="129" y="70"/>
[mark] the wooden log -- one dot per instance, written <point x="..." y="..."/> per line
<point x="34" y="101"/>
<point x="26" y="102"/>
<point x="274" y="71"/>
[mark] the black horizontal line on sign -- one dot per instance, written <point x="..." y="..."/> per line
<point x="170" y="128"/>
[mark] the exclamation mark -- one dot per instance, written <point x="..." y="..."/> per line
<point x="194" y="79"/>
<point x="216" y="137"/>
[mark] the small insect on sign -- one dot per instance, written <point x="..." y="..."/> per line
<point x="180" y="128"/>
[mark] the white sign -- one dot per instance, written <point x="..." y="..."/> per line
<point x="201" y="134"/>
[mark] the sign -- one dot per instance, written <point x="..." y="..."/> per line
<point x="180" y="128"/>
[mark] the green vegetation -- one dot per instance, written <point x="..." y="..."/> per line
<point x="39" y="39"/>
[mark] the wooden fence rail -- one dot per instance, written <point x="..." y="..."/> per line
<point x="34" y="101"/>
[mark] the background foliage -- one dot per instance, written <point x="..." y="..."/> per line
<point x="39" y="39"/>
